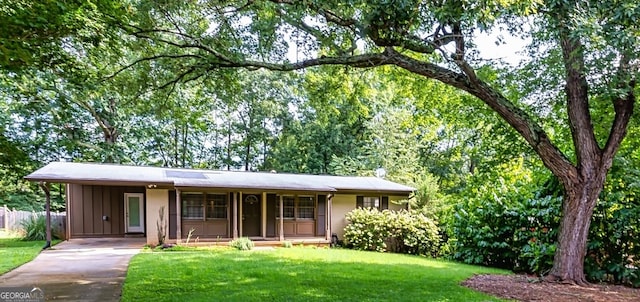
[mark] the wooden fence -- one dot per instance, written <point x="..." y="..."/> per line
<point x="12" y="220"/>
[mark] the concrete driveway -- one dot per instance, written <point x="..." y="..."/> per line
<point x="79" y="269"/>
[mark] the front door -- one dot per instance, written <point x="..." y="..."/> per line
<point x="251" y="217"/>
<point x="133" y="213"/>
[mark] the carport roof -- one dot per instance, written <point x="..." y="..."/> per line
<point x="66" y="172"/>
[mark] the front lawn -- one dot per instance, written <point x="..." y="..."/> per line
<point x="297" y="274"/>
<point x="15" y="252"/>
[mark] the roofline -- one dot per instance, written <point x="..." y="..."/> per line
<point x="171" y="183"/>
<point x="101" y="182"/>
<point x="265" y="188"/>
<point x="167" y="185"/>
<point x="386" y="192"/>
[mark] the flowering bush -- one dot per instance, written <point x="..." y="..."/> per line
<point x="393" y="231"/>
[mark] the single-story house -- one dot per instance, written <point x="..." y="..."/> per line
<point x="108" y="200"/>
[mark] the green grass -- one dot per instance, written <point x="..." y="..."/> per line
<point x="15" y="252"/>
<point x="297" y="274"/>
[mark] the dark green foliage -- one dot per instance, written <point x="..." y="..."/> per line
<point x="242" y="244"/>
<point x="521" y="233"/>
<point x="513" y="234"/>
<point x="35" y="228"/>
<point x="394" y="231"/>
<point x="613" y="250"/>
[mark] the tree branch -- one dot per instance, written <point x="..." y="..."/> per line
<point x="152" y="58"/>
<point x="623" y="106"/>
<point x="576" y="89"/>
<point x="531" y="131"/>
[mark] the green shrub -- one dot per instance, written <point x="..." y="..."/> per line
<point x="613" y="252"/>
<point x="35" y="228"/>
<point x="508" y="230"/>
<point x="367" y="230"/>
<point x="242" y="244"/>
<point x="287" y="244"/>
<point x="400" y="232"/>
<point x="513" y="234"/>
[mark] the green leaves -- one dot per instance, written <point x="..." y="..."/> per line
<point x="394" y="231"/>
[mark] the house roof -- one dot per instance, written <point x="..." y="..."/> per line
<point x="110" y="174"/>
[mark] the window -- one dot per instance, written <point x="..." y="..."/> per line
<point x="301" y="207"/>
<point x="216" y="206"/>
<point x="306" y="207"/>
<point x="289" y="203"/>
<point x="192" y="207"/>
<point x="371" y="202"/>
<point x="198" y="205"/>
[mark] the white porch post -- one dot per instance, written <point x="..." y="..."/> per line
<point x="264" y="215"/>
<point x="178" y="217"/>
<point x="240" y="214"/>
<point x="281" y="219"/>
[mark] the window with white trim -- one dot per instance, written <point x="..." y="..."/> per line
<point x="192" y="207"/>
<point x="297" y="207"/>
<point x="306" y="207"/>
<point x="198" y="205"/>
<point x="216" y="206"/>
<point x="371" y="202"/>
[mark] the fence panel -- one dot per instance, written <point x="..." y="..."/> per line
<point x="12" y="220"/>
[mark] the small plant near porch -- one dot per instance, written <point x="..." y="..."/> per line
<point x="161" y="225"/>
<point x="242" y="244"/>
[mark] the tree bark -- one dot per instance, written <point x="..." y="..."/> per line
<point x="580" y="199"/>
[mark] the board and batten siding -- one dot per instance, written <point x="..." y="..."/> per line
<point x="89" y="203"/>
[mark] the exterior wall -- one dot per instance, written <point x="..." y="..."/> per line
<point x="87" y="206"/>
<point x="342" y="204"/>
<point x="156" y="199"/>
<point x="394" y="206"/>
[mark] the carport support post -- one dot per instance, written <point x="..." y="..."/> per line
<point x="47" y="208"/>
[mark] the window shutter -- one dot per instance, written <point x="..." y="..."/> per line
<point x="359" y="201"/>
<point x="385" y="203"/>
<point x="173" y="216"/>
<point x="271" y="215"/>
<point x="322" y="209"/>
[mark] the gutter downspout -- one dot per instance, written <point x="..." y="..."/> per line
<point x="47" y="193"/>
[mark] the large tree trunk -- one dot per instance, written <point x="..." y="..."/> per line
<point x="577" y="208"/>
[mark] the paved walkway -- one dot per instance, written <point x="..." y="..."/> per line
<point x="79" y="269"/>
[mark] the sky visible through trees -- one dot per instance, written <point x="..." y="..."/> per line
<point x="409" y="86"/>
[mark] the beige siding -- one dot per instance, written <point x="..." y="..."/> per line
<point x="156" y="198"/>
<point x="394" y="206"/>
<point x="340" y="206"/>
<point x="343" y="204"/>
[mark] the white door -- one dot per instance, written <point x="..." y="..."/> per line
<point x="133" y="213"/>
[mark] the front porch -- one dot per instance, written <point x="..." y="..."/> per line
<point x="259" y="241"/>
<point x="209" y="216"/>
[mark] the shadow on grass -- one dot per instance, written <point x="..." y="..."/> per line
<point x="297" y="275"/>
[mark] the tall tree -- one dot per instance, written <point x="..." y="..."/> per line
<point x="434" y="39"/>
